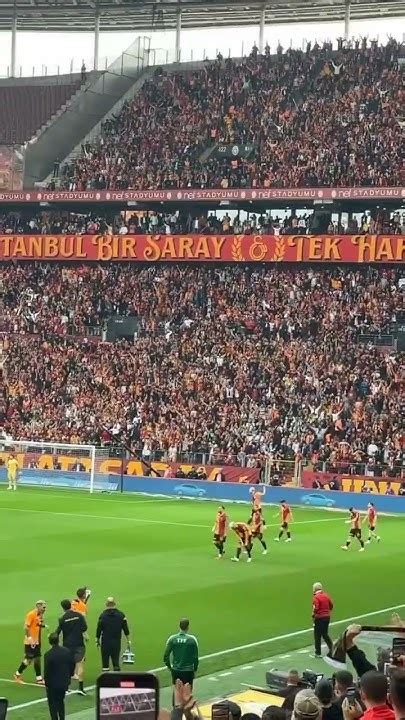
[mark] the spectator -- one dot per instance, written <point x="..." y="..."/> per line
<point x="335" y="126"/>
<point x="397" y="693"/>
<point x="290" y="691"/>
<point x="307" y="706"/>
<point x="273" y="712"/>
<point x="330" y="710"/>
<point x="219" y="368"/>
<point x="374" y="689"/>
<point x="231" y="708"/>
<point x="343" y="680"/>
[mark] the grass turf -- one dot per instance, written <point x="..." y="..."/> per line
<point x="155" y="556"/>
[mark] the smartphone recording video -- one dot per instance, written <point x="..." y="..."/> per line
<point x="127" y="696"/>
<point x="398" y="650"/>
<point x="351" y="695"/>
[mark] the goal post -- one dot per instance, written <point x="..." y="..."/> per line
<point x="83" y="467"/>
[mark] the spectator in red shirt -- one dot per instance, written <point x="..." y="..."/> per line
<point x="374" y="689"/>
<point x="322" y="607"/>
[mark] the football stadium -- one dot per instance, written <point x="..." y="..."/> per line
<point x="202" y="242"/>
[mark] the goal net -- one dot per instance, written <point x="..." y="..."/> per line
<point x="83" y="467"/>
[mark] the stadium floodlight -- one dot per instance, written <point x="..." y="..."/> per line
<point x="64" y="465"/>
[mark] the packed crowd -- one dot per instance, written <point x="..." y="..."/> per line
<point x="319" y="117"/>
<point x="178" y="222"/>
<point x="227" y="360"/>
<point x="373" y="695"/>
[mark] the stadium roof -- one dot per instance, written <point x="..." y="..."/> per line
<point x="142" y="16"/>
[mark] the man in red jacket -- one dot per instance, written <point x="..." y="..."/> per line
<point x="322" y="607"/>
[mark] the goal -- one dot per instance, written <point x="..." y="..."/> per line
<point x="82" y="467"/>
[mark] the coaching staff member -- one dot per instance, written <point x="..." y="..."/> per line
<point x="322" y="607"/>
<point x="111" y="624"/>
<point x="57" y="669"/>
<point x="181" y="654"/>
<point x="73" y="627"/>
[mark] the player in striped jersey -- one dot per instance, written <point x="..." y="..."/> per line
<point x="371" y="520"/>
<point x="355" y="529"/>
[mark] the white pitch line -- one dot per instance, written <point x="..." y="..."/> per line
<point x="74" y="515"/>
<point x="237" y="648"/>
<point x="284" y="657"/>
<point x="247" y="667"/>
<point x="225" y="674"/>
<point x="10" y="680"/>
<point x="302" y="652"/>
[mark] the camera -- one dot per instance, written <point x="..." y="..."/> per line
<point x="310" y="679"/>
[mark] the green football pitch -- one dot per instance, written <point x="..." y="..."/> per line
<point x="156" y="557"/>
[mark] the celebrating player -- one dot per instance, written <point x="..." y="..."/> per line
<point x="257" y="527"/>
<point x="371" y="520"/>
<point x="219" y="530"/>
<point x="79" y="604"/>
<point x="12" y="472"/>
<point x="244" y="535"/>
<point x="256" y="502"/>
<point x="32" y="642"/>
<point x="286" y="518"/>
<point x="355" y="529"/>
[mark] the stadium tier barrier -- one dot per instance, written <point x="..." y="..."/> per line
<point x="205" y="248"/>
<point x="222" y="492"/>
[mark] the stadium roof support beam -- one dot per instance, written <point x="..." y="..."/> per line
<point x="347" y="19"/>
<point x="13" y="60"/>
<point x="261" y="28"/>
<point x="96" y="38"/>
<point x="178" y="36"/>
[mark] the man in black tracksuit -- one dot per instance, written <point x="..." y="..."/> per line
<point x="111" y="624"/>
<point x="73" y="627"/>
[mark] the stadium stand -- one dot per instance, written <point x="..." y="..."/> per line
<point x="203" y="223"/>
<point x="230" y="360"/>
<point x="320" y="117"/>
<point x="25" y="108"/>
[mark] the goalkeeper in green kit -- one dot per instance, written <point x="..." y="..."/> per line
<point x="181" y="654"/>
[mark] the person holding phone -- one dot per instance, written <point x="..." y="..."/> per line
<point x="374" y="691"/>
<point x="181" y="654"/>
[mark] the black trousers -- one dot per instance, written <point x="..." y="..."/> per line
<point x="56" y="702"/>
<point x="110" y="651"/>
<point x="321" y="628"/>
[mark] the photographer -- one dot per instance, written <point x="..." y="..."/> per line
<point x="290" y="690"/>
<point x="373" y="690"/>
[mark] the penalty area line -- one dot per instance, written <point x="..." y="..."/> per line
<point x="238" y="648"/>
